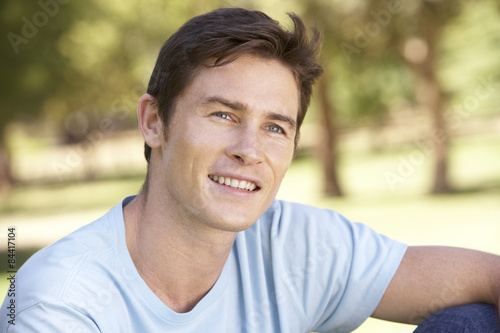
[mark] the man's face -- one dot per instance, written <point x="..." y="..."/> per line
<point x="229" y="143"/>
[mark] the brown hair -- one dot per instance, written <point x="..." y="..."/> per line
<point x="223" y="35"/>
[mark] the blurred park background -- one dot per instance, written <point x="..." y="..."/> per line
<point x="403" y="132"/>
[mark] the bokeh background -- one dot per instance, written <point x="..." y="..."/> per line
<point x="403" y="132"/>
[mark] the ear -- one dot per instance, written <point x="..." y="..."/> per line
<point x="150" y="122"/>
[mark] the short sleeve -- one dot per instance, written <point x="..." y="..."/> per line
<point x="373" y="261"/>
<point x="51" y="317"/>
<point x="334" y="271"/>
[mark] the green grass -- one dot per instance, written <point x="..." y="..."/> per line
<point x="470" y="217"/>
<point x="46" y="198"/>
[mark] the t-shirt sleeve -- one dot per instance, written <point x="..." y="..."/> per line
<point x="373" y="261"/>
<point x="336" y="270"/>
<point x="51" y="317"/>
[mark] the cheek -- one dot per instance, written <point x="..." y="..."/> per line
<point x="280" y="163"/>
<point x="186" y="141"/>
<point x="190" y="155"/>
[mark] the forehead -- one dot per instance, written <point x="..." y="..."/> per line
<point x="262" y="84"/>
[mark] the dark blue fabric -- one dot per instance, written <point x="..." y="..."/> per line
<point x="472" y="318"/>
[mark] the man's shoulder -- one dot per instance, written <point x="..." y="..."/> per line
<point x="51" y="272"/>
<point x="290" y="212"/>
<point x="288" y="224"/>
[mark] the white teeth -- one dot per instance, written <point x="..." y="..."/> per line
<point x="239" y="184"/>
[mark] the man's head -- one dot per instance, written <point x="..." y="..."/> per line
<point x="221" y="36"/>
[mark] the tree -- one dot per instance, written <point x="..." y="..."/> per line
<point x="408" y="33"/>
<point x="28" y="65"/>
<point x="421" y="53"/>
<point x="328" y="19"/>
<point x="81" y="66"/>
<point x="328" y="147"/>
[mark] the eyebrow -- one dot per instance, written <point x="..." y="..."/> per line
<point x="238" y="106"/>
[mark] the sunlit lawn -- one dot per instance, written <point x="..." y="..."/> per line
<point x="468" y="218"/>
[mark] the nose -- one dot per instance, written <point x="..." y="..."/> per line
<point x="246" y="147"/>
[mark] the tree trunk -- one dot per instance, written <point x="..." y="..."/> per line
<point x="6" y="179"/>
<point x="441" y="142"/>
<point x="422" y="58"/>
<point x="439" y="138"/>
<point x="328" y="144"/>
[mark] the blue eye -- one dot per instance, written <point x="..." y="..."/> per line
<point x="275" y="129"/>
<point x="222" y="115"/>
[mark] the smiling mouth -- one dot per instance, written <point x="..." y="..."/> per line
<point x="235" y="183"/>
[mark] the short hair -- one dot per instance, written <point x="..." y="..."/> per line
<point x="225" y="34"/>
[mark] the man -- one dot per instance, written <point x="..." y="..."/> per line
<point x="205" y="247"/>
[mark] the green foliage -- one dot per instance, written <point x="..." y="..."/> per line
<point x="363" y="52"/>
<point x="90" y="58"/>
<point x="30" y="64"/>
<point x="68" y="57"/>
<point x="81" y="66"/>
<point x="470" y="62"/>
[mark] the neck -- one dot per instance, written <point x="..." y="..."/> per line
<point x="179" y="263"/>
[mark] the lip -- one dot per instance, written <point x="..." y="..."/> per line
<point x="247" y="179"/>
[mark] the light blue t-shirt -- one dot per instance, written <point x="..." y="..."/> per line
<point x="297" y="269"/>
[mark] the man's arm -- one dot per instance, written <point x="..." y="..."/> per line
<point x="433" y="278"/>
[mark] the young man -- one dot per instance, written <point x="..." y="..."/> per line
<point x="205" y="247"/>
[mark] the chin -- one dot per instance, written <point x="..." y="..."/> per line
<point x="234" y="225"/>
